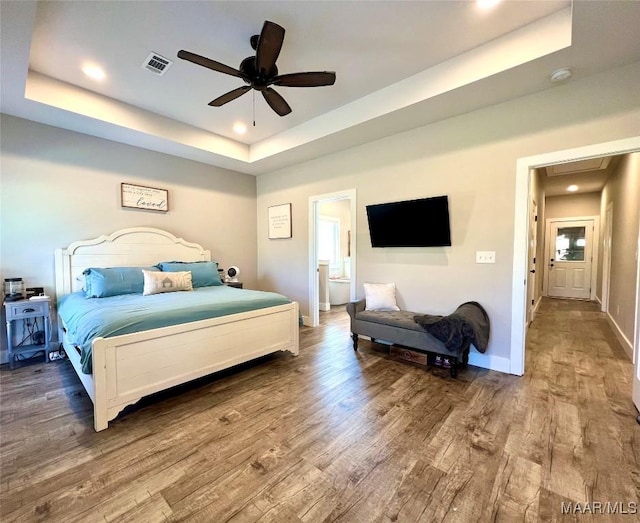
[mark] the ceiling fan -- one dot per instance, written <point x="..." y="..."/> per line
<point x="260" y="71"/>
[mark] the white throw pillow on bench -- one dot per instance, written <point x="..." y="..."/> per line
<point x="380" y="297"/>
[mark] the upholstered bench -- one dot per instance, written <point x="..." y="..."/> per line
<point x="399" y="327"/>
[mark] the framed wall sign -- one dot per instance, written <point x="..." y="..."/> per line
<point x="149" y="198"/>
<point x="280" y="221"/>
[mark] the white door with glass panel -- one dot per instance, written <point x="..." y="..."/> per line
<point x="569" y="259"/>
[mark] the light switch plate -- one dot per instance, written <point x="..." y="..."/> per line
<point x="485" y="256"/>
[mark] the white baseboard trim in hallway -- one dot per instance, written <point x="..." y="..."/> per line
<point x="624" y="341"/>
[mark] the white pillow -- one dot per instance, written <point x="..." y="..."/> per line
<point x="380" y="297"/>
<point x="156" y="282"/>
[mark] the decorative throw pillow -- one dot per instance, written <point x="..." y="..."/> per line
<point x="158" y="282"/>
<point x="102" y="282"/>
<point x="203" y="273"/>
<point x="380" y="297"/>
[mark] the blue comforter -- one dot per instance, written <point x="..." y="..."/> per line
<point x="89" y="318"/>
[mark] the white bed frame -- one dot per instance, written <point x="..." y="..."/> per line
<point x="129" y="367"/>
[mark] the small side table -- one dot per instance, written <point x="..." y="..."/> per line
<point x="25" y="310"/>
<point x="235" y="284"/>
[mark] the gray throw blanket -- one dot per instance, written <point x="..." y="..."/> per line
<point x="468" y="324"/>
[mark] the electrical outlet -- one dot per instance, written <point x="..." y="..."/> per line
<point x="485" y="256"/>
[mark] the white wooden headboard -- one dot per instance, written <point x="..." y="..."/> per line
<point x="133" y="247"/>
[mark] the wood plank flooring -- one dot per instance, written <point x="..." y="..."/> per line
<point x="334" y="435"/>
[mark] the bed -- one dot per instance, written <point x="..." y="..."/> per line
<point x="172" y="354"/>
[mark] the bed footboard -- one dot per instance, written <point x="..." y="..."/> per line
<point x="127" y="368"/>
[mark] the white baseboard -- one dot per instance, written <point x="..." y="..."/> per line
<point x="537" y="305"/>
<point x="624" y="341"/>
<point x="325" y="307"/>
<point x="487" y="361"/>
<point x="306" y="320"/>
<point x="598" y="300"/>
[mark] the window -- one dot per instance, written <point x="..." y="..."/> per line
<point x="329" y="241"/>
<point x="570" y="243"/>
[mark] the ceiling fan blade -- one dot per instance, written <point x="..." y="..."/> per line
<point x="269" y="45"/>
<point x="231" y="95"/>
<point x="276" y="102"/>
<point x="311" y="79"/>
<point x="209" y="64"/>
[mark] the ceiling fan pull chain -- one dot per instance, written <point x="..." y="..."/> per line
<point x="254" y="108"/>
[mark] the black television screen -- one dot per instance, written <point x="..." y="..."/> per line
<point x="412" y="223"/>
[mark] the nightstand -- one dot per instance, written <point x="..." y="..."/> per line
<point x="36" y="314"/>
<point x="235" y="284"/>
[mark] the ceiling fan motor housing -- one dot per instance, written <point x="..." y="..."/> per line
<point x="253" y="77"/>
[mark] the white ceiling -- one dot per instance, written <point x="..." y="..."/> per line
<point x="399" y="65"/>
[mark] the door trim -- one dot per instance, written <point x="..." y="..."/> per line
<point x="521" y="231"/>
<point x="594" y="251"/>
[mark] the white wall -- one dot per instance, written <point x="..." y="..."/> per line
<point x="59" y="186"/>
<point x="623" y="189"/>
<point x="471" y="158"/>
<point x="569" y="205"/>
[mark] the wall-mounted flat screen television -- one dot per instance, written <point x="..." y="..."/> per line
<point x="411" y="223"/>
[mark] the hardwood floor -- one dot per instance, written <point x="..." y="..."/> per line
<point x="334" y="435"/>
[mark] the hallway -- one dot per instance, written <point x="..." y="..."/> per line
<point x="579" y="422"/>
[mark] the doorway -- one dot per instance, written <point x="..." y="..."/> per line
<point x="524" y="166"/>
<point x="570" y="250"/>
<point x="315" y="204"/>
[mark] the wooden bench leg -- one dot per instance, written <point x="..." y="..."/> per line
<point x="354" y="336"/>
<point x="453" y="371"/>
<point x="465" y="358"/>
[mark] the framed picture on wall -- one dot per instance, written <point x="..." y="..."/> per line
<point x="279" y="217"/>
<point x="148" y="198"/>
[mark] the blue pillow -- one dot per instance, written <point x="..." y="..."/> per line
<point x="102" y="283"/>
<point x="203" y="274"/>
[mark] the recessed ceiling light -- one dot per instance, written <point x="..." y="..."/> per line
<point x="93" y="71"/>
<point x="572" y="188"/>
<point x="239" y="128"/>
<point x="487" y="4"/>
<point x="560" y="75"/>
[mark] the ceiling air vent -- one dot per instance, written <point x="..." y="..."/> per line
<point x="157" y="64"/>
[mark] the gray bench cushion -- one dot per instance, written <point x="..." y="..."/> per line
<point x="400" y="319"/>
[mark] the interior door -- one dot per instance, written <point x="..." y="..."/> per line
<point x="570" y="257"/>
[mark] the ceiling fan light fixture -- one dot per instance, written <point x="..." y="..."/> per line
<point x="560" y="75"/>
